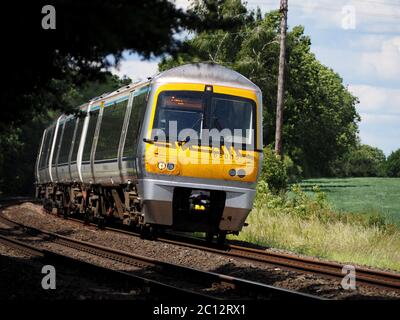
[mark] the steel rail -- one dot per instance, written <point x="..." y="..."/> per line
<point x="250" y="288"/>
<point x="111" y="274"/>
<point x="364" y="276"/>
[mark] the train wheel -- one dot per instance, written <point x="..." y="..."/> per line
<point x="65" y="212"/>
<point x="143" y="231"/>
<point x="221" y="238"/>
<point x="209" y="237"/>
<point x="86" y="218"/>
<point x="152" y="232"/>
<point x="101" y="223"/>
<point x="148" y="232"/>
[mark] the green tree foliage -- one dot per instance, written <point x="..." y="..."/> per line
<point x="18" y="156"/>
<point x="273" y="171"/>
<point x="361" y="161"/>
<point x="320" y="118"/>
<point x="366" y="161"/>
<point x="20" y="145"/>
<point x="294" y="172"/>
<point x="47" y="69"/>
<point x="42" y="65"/>
<point x="393" y="164"/>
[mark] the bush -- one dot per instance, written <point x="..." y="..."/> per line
<point x="393" y="164"/>
<point x="362" y="161"/>
<point x="304" y="223"/>
<point x="273" y="171"/>
<point x="294" y="172"/>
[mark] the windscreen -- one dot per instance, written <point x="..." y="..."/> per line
<point x="185" y="108"/>
<point x="232" y="116"/>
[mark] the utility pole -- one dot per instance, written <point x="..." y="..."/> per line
<point x="281" y="79"/>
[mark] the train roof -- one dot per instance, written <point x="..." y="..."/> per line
<point x="202" y="72"/>
<point x="206" y="73"/>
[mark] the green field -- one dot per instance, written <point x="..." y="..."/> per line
<point x="364" y="195"/>
<point x="308" y="221"/>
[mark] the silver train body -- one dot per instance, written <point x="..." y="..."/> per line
<point x="110" y="163"/>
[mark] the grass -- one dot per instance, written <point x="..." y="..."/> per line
<point x="306" y="223"/>
<point x="361" y="195"/>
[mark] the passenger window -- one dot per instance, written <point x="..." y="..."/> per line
<point x="110" y="130"/>
<point x="48" y="147"/>
<point x="57" y="144"/>
<point x="79" y="123"/>
<point x="93" y="116"/>
<point x="138" y="108"/>
<point x="44" y="149"/>
<point x="66" y="141"/>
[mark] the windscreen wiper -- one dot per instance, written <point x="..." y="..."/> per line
<point x="155" y="139"/>
<point x="182" y="142"/>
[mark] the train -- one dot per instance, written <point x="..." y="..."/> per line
<point x="178" y="151"/>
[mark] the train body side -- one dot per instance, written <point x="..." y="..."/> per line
<point x="107" y="162"/>
<point x="77" y="149"/>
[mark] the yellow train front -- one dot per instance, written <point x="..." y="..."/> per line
<point x="200" y="150"/>
<point x="178" y="151"/>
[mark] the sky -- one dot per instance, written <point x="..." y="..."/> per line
<point x="359" y="39"/>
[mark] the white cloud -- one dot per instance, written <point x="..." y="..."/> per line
<point x="378" y="15"/>
<point x="370" y="57"/>
<point x="372" y="16"/>
<point x="136" y="69"/>
<point x="382" y="139"/>
<point x="384" y="63"/>
<point x="379" y="109"/>
<point x="340" y="60"/>
<point x="377" y="100"/>
<point x="367" y="14"/>
<point x="369" y="42"/>
<point x="380" y="119"/>
<point x="381" y="131"/>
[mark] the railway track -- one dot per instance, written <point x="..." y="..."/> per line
<point x="161" y="274"/>
<point x="364" y="275"/>
<point x="329" y="269"/>
<point x="50" y="257"/>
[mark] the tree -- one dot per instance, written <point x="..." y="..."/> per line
<point x="41" y="65"/>
<point x="274" y="171"/>
<point x="45" y="69"/>
<point x="18" y="156"/>
<point x="366" y="161"/>
<point x="320" y="121"/>
<point x="20" y="145"/>
<point x="393" y="164"/>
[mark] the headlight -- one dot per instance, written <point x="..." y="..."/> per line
<point x="161" y="165"/>
<point x="170" y="166"/>
<point x="241" y="173"/>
